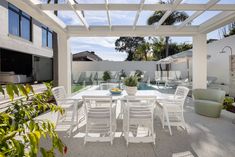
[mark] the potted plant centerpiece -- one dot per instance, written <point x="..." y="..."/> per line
<point x="131" y="83"/>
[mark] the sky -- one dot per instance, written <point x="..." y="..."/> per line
<point x="104" y="46"/>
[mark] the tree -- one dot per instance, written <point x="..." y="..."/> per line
<point x="231" y="30"/>
<point x="159" y="48"/>
<point x="175" y="17"/>
<point x="142" y="52"/>
<point x="128" y="45"/>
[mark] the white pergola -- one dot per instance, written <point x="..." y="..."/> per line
<point x="44" y="14"/>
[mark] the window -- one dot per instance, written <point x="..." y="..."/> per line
<point x="46" y="37"/>
<point x="20" y="23"/>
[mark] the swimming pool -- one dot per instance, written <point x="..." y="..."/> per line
<point x="107" y="86"/>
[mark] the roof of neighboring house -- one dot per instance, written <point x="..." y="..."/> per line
<point x="86" y="56"/>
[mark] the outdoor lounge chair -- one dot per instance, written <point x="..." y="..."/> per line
<point x="139" y="114"/>
<point x="208" y="102"/>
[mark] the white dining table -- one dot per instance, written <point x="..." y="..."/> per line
<point x="79" y="95"/>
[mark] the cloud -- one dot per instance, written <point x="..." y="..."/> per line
<point x="68" y="17"/>
<point x="107" y="42"/>
<point x="102" y="46"/>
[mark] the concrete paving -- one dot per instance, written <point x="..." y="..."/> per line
<point x="205" y="137"/>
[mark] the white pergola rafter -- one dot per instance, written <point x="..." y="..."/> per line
<point x="135" y="7"/>
<point x="79" y="14"/>
<point x="79" y="31"/>
<point x="108" y="14"/>
<point x="217" y="21"/>
<point x="138" y="13"/>
<point x="168" y="13"/>
<point x="198" y="13"/>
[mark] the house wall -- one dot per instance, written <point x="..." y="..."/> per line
<point x="218" y="63"/>
<point x="12" y="42"/>
<point x="34" y="47"/>
<point x="81" y="66"/>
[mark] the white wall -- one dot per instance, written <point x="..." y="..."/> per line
<point x="218" y="63"/>
<point x="19" y="44"/>
<point x="80" y="66"/>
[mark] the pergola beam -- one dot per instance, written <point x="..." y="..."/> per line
<point x="217" y="21"/>
<point x="108" y="14"/>
<point x="168" y="13"/>
<point x="138" y="13"/>
<point x="79" y="14"/>
<point x="135" y="7"/>
<point x="103" y="31"/>
<point x="198" y="13"/>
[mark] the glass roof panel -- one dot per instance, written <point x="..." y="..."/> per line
<point x="144" y="15"/>
<point x="155" y="1"/>
<point x="122" y="17"/>
<point x="190" y="13"/>
<point x="69" y="17"/>
<point x="91" y="1"/>
<point x="204" y="17"/>
<point x="52" y="1"/>
<point x="125" y="1"/>
<point x="227" y="2"/>
<point x="195" y="1"/>
<point x="96" y="17"/>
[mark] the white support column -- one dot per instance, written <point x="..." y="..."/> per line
<point x="199" y="67"/>
<point x="64" y="62"/>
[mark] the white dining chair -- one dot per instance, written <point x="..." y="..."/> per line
<point x="172" y="108"/>
<point x="100" y="113"/>
<point x="69" y="105"/>
<point x="139" y="114"/>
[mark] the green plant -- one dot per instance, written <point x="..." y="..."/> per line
<point x="138" y="74"/>
<point x="106" y="76"/>
<point x="122" y="74"/>
<point x="20" y="133"/>
<point x="228" y="103"/>
<point x="131" y="81"/>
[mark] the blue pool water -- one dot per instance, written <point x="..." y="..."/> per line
<point x="145" y="86"/>
<point x="107" y="86"/>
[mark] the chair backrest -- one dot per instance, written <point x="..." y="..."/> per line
<point x="209" y="94"/>
<point x="140" y="107"/>
<point x="181" y="95"/>
<point x="98" y="107"/>
<point x="59" y="93"/>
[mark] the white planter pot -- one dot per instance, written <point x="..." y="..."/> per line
<point x="131" y="90"/>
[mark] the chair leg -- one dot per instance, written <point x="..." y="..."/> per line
<point x="183" y="122"/>
<point x="72" y="123"/>
<point x="168" y="121"/>
<point x="58" y="119"/>
<point x="163" y="120"/>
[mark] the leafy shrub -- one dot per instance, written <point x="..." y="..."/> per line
<point x="20" y="133"/>
<point x="228" y="103"/>
<point x="131" y="81"/>
<point x="106" y="76"/>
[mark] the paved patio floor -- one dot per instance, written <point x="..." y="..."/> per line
<point x="205" y="137"/>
